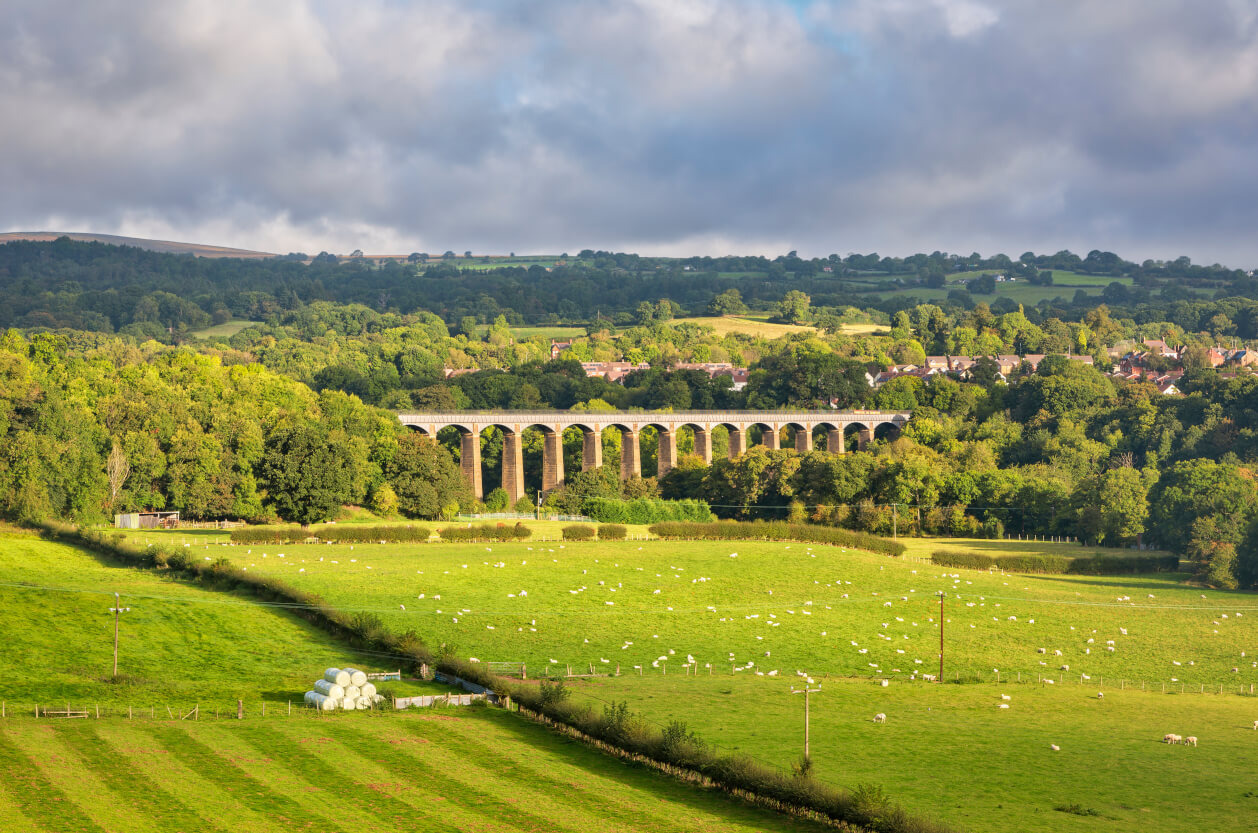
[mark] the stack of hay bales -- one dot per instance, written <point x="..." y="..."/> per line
<point x="343" y="688"/>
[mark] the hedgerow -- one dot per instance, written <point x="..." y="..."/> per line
<point x="485" y="532"/>
<point x="337" y="534"/>
<point x="612" y="532"/>
<point x="776" y="531"/>
<point x="578" y="532"/>
<point x="1090" y="565"/>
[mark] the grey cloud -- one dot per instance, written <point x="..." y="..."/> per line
<point x="896" y="125"/>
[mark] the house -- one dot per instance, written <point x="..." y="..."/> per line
<point x="1243" y="358"/>
<point x="612" y="371"/>
<point x="714" y="369"/>
<point x="451" y="372"/>
<point x="557" y="347"/>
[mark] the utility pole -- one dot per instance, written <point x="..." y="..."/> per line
<point x="941" y="626"/>
<point x="117" y="610"/>
<point x="806" y="691"/>
<point x="539" y="505"/>
<point x="895" y="522"/>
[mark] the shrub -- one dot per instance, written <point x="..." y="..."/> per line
<point x="776" y="531"/>
<point x="1092" y="565"/>
<point x="268" y="534"/>
<point x="578" y="532"/>
<point x="612" y="532"/>
<point x="485" y="532"/>
<point x="337" y="533"/>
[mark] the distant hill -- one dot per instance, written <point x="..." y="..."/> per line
<point x="166" y="246"/>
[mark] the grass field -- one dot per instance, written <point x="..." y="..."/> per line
<point x="178" y="645"/>
<point x="823" y="610"/>
<point x="951" y="753"/>
<point x="457" y="769"/>
<point x="225" y="330"/>
<point x="726" y="324"/>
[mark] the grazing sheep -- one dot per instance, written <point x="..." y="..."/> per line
<point x="1256" y="725"/>
<point x="1054" y="747"/>
<point x="1004" y="705"/>
<point x="880" y="718"/>
<point x="1005" y="697"/>
<point x="1172" y="738"/>
<point x="1190" y="741"/>
<point x="1100" y="695"/>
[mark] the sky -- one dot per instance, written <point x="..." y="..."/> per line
<point x="666" y="127"/>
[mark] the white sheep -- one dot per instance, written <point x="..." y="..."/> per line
<point x="1054" y="747"/>
<point x="1190" y="741"/>
<point x="1004" y="705"/>
<point x="1005" y="697"/>
<point x="1100" y="695"/>
<point x="1172" y="738"/>
<point x="1256" y="725"/>
<point x="880" y="718"/>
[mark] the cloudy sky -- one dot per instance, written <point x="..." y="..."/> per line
<point x="658" y="126"/>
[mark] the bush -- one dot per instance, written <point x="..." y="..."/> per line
<point x="336" y="533"/>
<point x="644" y="510"/>
<point x="612" y="532"/>
<point x="776" y="531"/>
<point x="485" y="532"/>
<point x="578" y="532"/>
<point x="1091" y="565"/>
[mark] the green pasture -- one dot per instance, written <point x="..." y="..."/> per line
<point x="950" y="752"/>
<point x="224" y="330"/>
<point x="455" y="769"/>
<point x="178" y="645"/>
<point x="749" y="608"/>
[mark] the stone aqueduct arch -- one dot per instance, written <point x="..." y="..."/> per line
<point x="553" y="423"/>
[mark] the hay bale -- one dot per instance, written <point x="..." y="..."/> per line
<point x="338" y="676"/>
<point x="328" y="689"/>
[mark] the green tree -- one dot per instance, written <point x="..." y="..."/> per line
<point x="793" y="308"/>
<point x="305" y="475"/>
<point x="425" y="478"/>
<point x="729" y="302"/>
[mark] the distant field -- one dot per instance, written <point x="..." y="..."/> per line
<point x="449" y="769"/>
<point x="226" y="330"/>
<point x="724" y="325"/>
<point x="558" y="332"/>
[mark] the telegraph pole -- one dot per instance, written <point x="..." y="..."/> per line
<point x="806" y="691"/>
<point x="941" y="627"/>
<point x="117" y="610"/>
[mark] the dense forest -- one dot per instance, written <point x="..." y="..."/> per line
<point x="110" y="402"/>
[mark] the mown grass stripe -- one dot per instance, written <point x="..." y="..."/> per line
<point x="564" y="792"/>
<point x="134" y="786"/>
<point x="316" y="769"/>
<point x="406" y="765"/>
<point x="239" y="784"/>
<point x="38" y="797"/>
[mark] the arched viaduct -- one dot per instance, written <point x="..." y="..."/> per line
<point x="835" y="425"/>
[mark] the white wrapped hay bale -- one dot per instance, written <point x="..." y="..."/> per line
<point x="328" y="689"/>
<point x="369" y="690"/>
<point x="320" y="701"/>
<point x="353" y="692"/>
<point x="377" y="699"/>
<point x="338" y="676"/>
<point x="349" y="704"/>
<point x="356" y="677"/>
<point x="363" y="702"/>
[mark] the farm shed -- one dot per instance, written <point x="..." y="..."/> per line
<point x="147" y="520"/>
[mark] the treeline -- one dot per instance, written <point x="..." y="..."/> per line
<point x="94" y="286"/>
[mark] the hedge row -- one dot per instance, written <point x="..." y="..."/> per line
<point x="578" y="532"/>
<point x="777" y="531"/>
<point x="1089" y="565"/>
<point x="338" y="534"/>
<point x="612" y="532"/>
<point x="674" y="746"/>
<point x="485" y="532"/>
<point x="644" y="510"/>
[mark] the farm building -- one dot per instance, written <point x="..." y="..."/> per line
<point x="146" y="520"/>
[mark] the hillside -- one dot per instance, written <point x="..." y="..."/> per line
<point x="164" y="246"/>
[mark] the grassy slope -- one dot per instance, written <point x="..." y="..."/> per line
<point x="891" y="607"/>
<point x="724" y="325"/>
<point x="465" y="769"/>
<point x="225" y="330"/>
<point x="179" y="645"/>
<point x="950" y="752"/>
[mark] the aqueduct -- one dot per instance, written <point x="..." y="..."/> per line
<point x="836" y="425"/>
